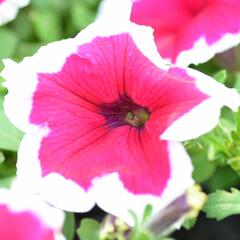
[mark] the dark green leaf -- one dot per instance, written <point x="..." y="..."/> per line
<point x="69" y="226"/>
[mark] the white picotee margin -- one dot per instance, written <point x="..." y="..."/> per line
<point x="9" y="9"/>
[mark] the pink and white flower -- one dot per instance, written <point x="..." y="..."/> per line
<point x="27" y="217"/>
<point x="9" y="9"/>
<point x="102" y="116"/>
<point x="185" y="31"/>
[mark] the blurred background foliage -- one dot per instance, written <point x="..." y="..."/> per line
<point x="215" y="156"/>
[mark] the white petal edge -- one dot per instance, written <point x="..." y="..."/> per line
<point x="205" y="116"/>
<point x="110" y="10"/>
<point x="202" y="51"/>
<point x="60" y="192"/>
<point x="9" y="9"/>
<point x="21" y="79"/>
<point x="108" y="192"/>
<point x="19" y="200"/>
<point x="142" y="36"/>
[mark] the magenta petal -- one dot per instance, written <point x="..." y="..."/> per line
<point x="178" y="25"/>
<point x="22" y="226"/>
<point x="86" y="104"/>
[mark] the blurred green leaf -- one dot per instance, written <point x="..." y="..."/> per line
<point x="10" y="137"/>
<point x="8" y="167"/>
<point x="141" y="234"/>
<point x="222" y="204"/>
<point x="221" y="76"/>
<point x="47" y="25"/>
<point x="6" y="182"/>
<point x="81" y="15"/>
<point x="22" y="26"/>
<point x="2" y="157"/>
<point x="8" y="42"/>
<point x="28" y="49"/>
<point x="69" y="226"/>
<point x="53" y="5"/>
<point x="89" y="229"/>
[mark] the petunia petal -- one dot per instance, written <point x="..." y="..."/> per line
<point x="19" y="209"/>
<point x="185" y="31"/>
<point x="203" y="117"/>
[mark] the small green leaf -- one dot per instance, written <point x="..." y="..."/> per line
<point x="222" y="204"/>
<point x="89" y="229"/>
<point x="8" y="43"/>
<point x="221" y="76"/>
<point x="147" y="213"/>
<point x="189" y="223"/>
<point x="69" y="226"/>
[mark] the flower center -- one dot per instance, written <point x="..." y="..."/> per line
<point x="124" y="111"/>
<point x="137" y="118"/>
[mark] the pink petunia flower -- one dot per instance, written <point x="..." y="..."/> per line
<point x="9" y="9"/>
<point x="102" y="115"/>
<point x="26" y="217"/>
<point x="185" y="31"/>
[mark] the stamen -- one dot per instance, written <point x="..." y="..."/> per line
<point x="137" y="118"/>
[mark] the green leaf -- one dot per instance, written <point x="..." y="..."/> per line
<point x="47" y="25"/>
<point x="222" y="204"/>
<point x="147" y="213"/>
<point x="203" y="169"/>
<point x="69" y="226"/>
<point x="141" y="234"/>
<point x="8" y="43"/>
<point x="89" y="229"/>
<point x="223" y="178"/>
<point x="221" y="76"/>
<point x="189" y="223"/>
<point x="10" y="137"/>
<point x="6" y="182"/>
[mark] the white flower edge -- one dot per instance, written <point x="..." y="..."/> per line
<point x="19" y="200"/>
<point x="205" y="116"/>
<point x="202" y="51"/>
<point x="9" y="9"/>
<point x="107" y="192"/>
